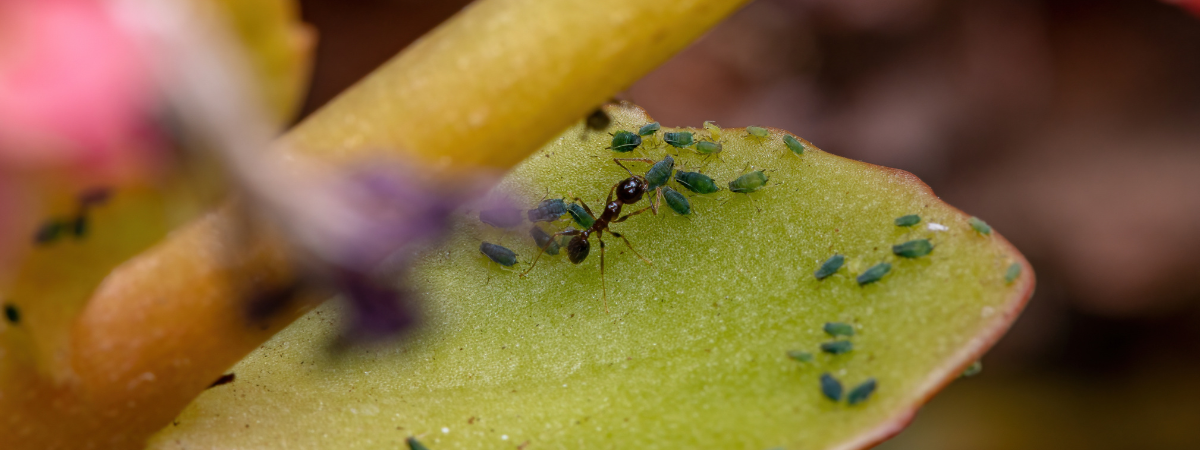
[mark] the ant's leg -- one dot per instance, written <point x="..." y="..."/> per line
<point x="618" y="161"/>
<point x="585" y="206"/>
<point x="639" y="255"/>
<point x="603" y="281"/>
<point x="622" y="218"/>
<point x="542" y="248"/>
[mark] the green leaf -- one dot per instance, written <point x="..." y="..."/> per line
<point x="697" y="349"/>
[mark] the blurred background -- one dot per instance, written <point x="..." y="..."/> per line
<point x="1072" y="126"/>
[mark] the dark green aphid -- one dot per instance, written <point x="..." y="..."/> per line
<point x="676" y="201"/>
<point x="913" y="249"/>
<point x="543" y="240"/>
<point x="625" y="141"/>
<point x="861" y="392"/>
<point x="837" y="347"/>
<point x="837" y="329"/>
<point x="414" y="444"/>
<point x="1014" y="271"/>
<point x="980" y="226"/>
<point x="696" y="182"/>
<point x="874" y="274"/>
<point x="12" y="314"/>
<point x="598" y="120"/>
<point x="580" y="215"/>
<point x="749" y="182"/>
<point x="908" y="221"/>
<point x="49" y="232"/>
<point x="793" y="144"/>
<point x="709" y="147"/>
<point x="679" y="139"/>
<point x="548" y="210"/>
<point x="829" y="267"/>
<point x="649" y="129"/>
<point x="498" y="253"/>
<point x="660" y="173"/>
<point x="831" y="387"/>
<point x="759" y="132"/>
<point x="501" y="217"/>
<point x="79" y="226"/>
<point x="974" y="369"/>
<point x="801" y="356"/>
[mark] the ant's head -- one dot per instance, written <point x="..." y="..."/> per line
<point x="631" y="190"/>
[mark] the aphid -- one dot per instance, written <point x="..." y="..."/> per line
<point x="974" y="369"/>
<point x="581" y="215"/>
<point x="543" y="240"/>
<point x="831" y="387"/>
<point x="799" y="355"/>
<point x="980" y="226"/>
<point x="49" y="232"/>
<point x="625" y="141"/>
<point x="499" y="254"/>
<point x="793" y="144"/>
<point x="758" y="132"/>
<point x="908" y="221"/>
<point x="1014" y="271"/>
<point x="837" y="329"/>
<point x="709" y="147"/>
<point x="414" y="444"/>
<point x="548" y="210"/>
<point x="79" y="226"/>
<point x="913" y="249"/>
<point x="501" y="217"/>
<point x="749" y="182"/>
<point x="714" y="130"/>
<point x="649" y="129"/>
<point x="696" y="182"/>
<point x="94" y="197"/>
<point x="679" y="139"/>
<point x="225" y="379"/>
<point x="829" y="267"/>
<point x="837" y="347"/>
<point x="861" y="392"/>
<point x="598" y="120"/>
<point x="12" y="314"/>
<point x="676" y="201"/>
<point x="874" y="273"/>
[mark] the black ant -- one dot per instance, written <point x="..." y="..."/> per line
<point x="629" y="191"/>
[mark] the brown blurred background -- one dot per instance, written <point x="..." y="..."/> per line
<point x="1072" y="126"/>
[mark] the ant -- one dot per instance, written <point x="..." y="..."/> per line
<point x="628" y="191"/>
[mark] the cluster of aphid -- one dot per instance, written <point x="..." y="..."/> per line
<point x="830" y="386"/>
<point x="75" y="225"/>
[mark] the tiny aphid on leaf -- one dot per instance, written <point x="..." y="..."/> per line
<point x="501" y="217"/>
<point x="649" y="129"/>
<point x="79" y="226"/>
<point x="543" y="240"/>
<point x="625" y="141"/>
<point x="838" y="329"/>
<point x="696" y="182"/>
<point x="49" y="232"/>
<point x="758" y="132"/>
<point x="913" y="249"/>
<point x="709" y="147"/>
<point x="980" y="226"/>
<point x="873" y="274"/>
<point x="861" y="392"/>
<point x="974" y="369"/>
<point x="12" y="314"/>
<point x="831" y="387"/>
<point x="500" y="254"/>
<point x="829" y="267"/>
<point x="598" y="120"/>
<point x="1014" y="271"/>
<point x="749" y="182"/>
<point x="548" y="210"/>
<point x="676" y="201"/>
<point x="714" y="130"/>
<point x="908" y="221"/>
<point x="580" y="215"/>
<point x="837" y="347"/>
<point x="679" y="139"/>
<point x="414" y="444"/>
<point x="793" y="144"/>
<point x="800" y="355"/>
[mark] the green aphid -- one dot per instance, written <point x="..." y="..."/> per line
<point x="980" y="226"/>
<point x="749" y="182"/>
<point x="800" y="355"/>
<point x="543" y="240"/>
<point x="414" y="444"/>
<point x="908" y="221"/>
<point x="837" y="347"/>
<point x="714" y="130"/>
<point x="625" y="141"/>
<point x="709" y="147"/>
<point x="79" y="226"/>
<point x="696" y="182"/>
<point x="50" y="232"/>
<point x="974" y="369"/>
<point x="793" y="144"/>
<point x="12" y="314"/>
<point x="1014" y="271"/>
<point x="758" y="132"/>
<point x="676" y="201"/>
<point x="913" y="249"/>
<point x="660" y="173"/>
<point x="837" y="329"/>
<point x="873" y="274"/>
<point x="499" y="254"/>
<point x="861" y="392"/>
<point x="580" y="215"/>
<point x="831" y="387"/>
<point x="830" y="267"/>
<point x="649" y="129"/>
<point x="679" y="139"/>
